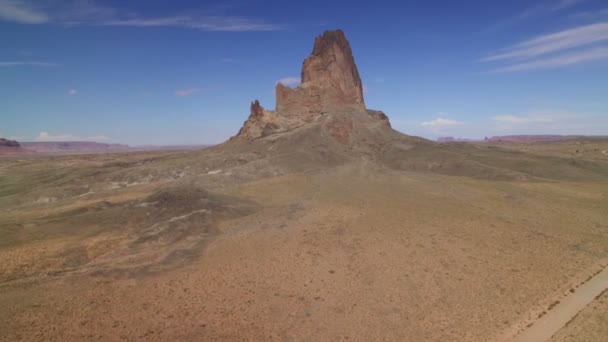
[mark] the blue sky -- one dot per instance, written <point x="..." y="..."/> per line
<point x="185" y="72"/>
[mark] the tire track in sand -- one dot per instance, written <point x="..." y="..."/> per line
<point x="549" y="324"/>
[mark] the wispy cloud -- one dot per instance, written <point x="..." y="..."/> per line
<point x="559" y="61"/>
<point x="12" y="137"/>
<point x="441" y="122"/>
<point x="206" y="23"/>
<point x="12" y="64"/>
<point x="550" y="122"/>
<point x="541" y="9"/>
<point x="548" y="7"/>
<point x="540" y="121"/>
<point x="522" y="119"/>
<point x="21" y="12"/>
<point x="289" y="81"/>
<point x="47" y="137"/>
<point x="72" y="92"/>
<point x="88" y="13"/>
<point x="558" y="43"/>
<point x="187" y="92"/>
<point x="553" y="42"/>
<point x="591" y="15"/>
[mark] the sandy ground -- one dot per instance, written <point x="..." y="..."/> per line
<point x="354" y="253"/>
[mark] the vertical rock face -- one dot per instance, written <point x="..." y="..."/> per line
<point x="330" y="83"/>
<point x="332" y="66"/>
<point x="330" y="80"/>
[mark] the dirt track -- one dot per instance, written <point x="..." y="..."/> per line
<point x="549" y="324"/>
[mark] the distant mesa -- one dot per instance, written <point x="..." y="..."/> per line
<point x="73" y="146"/>
<point x="330" y="83"/>
<point x="452" y="139"/>
<point x="512" y="139"/>
<point x="9" y="143"/>
<point x="529" y="138"/>
<point x="12" y="147"/>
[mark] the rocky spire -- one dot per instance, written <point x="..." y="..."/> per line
<point x="332" y="65"/>
<point x="330" y="80"/>
<point x="330" y="84"/>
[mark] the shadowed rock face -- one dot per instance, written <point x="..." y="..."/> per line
<point x="330" y="84"/>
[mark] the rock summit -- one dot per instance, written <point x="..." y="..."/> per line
<point x="330" y="83"/>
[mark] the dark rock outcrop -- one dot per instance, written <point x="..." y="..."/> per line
<point x="9" y="143"/>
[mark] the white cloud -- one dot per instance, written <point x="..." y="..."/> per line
<point x="548" y="7"/>
<point x="566" y="39"/>
<point x="533" y="122"/>
<point x="206" y="23"/>
<point x="13" y="137"/>
<point x="365" y="89"/>
<point x="562" y="4"/>
<point x="289" y="81"/>
<point x="46" y="137"/>
<point x="187" y="92"/>
<point x="567" y="47"/>
<point x="11" y="64"/>
<point x="591" y="15"/>
<point x="514" y="119"/>
<point x="559" y="61"/>
<point x="80" y="13"/>
<point x="550" y="122"/>
<point x="72" y="92"/>
<point x="441" y="122"/>
<point x="20" y="12"/>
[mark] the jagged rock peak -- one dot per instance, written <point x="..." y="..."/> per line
<point x="262" y="122"/>
<point x="332" y="65"/>
<point x="330" y="84"/>
<point x="256" y="108"/>
<point x="330" y="80"/>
